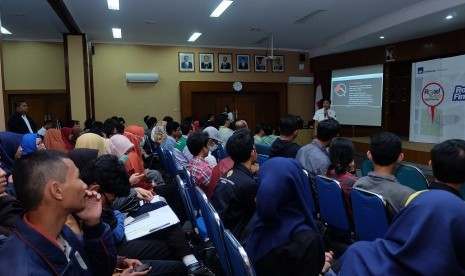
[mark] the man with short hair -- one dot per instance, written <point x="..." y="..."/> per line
<point x="385" y="151"/>
<point x="284" y="146"/>
<point x="240" y="124"/>
<point x="174" y="132"/>
<point x="448" y="163"/>
<point x="314" y="157"/>
<point x="322" y="114"/>
<point x="198" y="145"/>
<point x="20" y="122"/>
<point x="186" y="130"/>
<point x="234" y="196"/>
<point x="48" y="185"/>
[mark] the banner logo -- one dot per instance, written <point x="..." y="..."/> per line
<point x="420" y="70"/>
<point x="340" y="89"/>
<point x="432" y="95"/>
<point x="459" y="93"/>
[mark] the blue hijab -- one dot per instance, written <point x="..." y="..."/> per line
<point x="28" y="143"/>
<point x="9" y="142"/>
<point x="283" y="208"/>
<point x="426" y="238"/>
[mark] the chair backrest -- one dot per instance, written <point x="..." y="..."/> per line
<point x="367" y="166"/>
<point x="215" y="228"/>
<point x="162" y="157"/>
<point x="332" y="207"/>
<point x="171" y="164"/>
<point x="262" y="149"/>
<point x="238" y="258"/>
<point x="190" y="189"/>
<point x="370" y="215"/>
<point x="412" y="177"/>
<point x="462" y="190"/>
<point x="313" y="207"/>
<point x="185" y="201"/>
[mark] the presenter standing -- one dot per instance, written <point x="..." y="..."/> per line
<point x="323" y="114"/>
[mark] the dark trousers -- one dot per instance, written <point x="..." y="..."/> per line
<point x="166" y="244"/>
<point x="303" y="255"/>
<point x="166" y="268"/>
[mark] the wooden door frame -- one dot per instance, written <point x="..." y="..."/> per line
<point x="187" y="88"/>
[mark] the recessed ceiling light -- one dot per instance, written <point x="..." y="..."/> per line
<point x="381" y="37"/>
<point x="5" y="31"/>
<point x="116" y="32"/>
<point x="113" y="4"/>
<point x="194" y="37"/>
<point x="221" y="8"/>
<point x="449" y="17"/>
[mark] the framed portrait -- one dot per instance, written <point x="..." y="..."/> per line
<point x="243" y="63"/>
<point x="390" y="53"/>
<point x="278" y="64"/>
<point x="186" y="62"/>
<point x="260" y="64"/>
<point x="206" y="63"/>
<point x="225" y="63"/>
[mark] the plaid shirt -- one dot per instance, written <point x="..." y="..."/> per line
<point x="201" y="172"/>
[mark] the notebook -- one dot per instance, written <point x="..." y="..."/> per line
<point x="150" y="222"/>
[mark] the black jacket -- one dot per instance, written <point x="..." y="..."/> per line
<point x="283" y="148"/>
<point x="17" y="124"/>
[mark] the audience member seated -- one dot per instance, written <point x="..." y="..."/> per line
<point x="68" y="137"/>
<point x="174" y="132"/>
<point x="135" y="134"/>
<point x="215" y="138"/>
<point x="9" y="150"/>
<point x="412" y="244"/>
<point x="342" y="168"/>
<point x="314" y="157"/>
<point x="259" y="133"/>
<point x="198" y="167"/>
<point x="284" y="239"/>
<point x="224" y="123"/>
<point x="49" y="188"/>
<point x="221" y="168"/>
<point x="448" y="163"/>
<point x="107" y="176"/>
<point x="93" y="141"/>
<point x="385" y="151"/>
<point x="283" y="146"/>
<point x="10" y="208"/>
<point x="270" y="136"/>
<point x="47" y="125"/>
<point x="31" y="142"/>
<point x="54" y="141"/>
<point x="234" y="197"/>
<point x="186" y="130"/>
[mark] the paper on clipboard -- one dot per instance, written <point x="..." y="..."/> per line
<point x="150" y="222"/>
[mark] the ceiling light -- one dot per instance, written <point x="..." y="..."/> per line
<point x="194" y="37"/>
<point x="5" y="31"/>
<point x="449" y="17"/>
<point x="113" y="4"/>
<point x="381" y="37"/>
<point x="116" y="32"/>
<point x="221" y="8"/>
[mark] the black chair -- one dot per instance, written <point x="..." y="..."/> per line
<point x="370" y="214"/>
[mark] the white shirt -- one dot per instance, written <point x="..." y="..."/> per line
<point x="27" y="123"/>
<point x="320" y="114"/>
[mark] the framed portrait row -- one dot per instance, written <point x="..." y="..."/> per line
<point x="225" y="63"/>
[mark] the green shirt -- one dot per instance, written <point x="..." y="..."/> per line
<point x="181" y="143"/>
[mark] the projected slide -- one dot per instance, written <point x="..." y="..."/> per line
<point x="357" y="94"/>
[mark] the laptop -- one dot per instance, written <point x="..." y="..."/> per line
<point x="150" y="222"/>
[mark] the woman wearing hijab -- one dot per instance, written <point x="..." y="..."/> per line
<point x="425" y="238"/>
<point x="54" y="141"/>
<point x="93" y="141"/>
<point x="135" y="134"/>
<point x="9" y="142"/>
<point x="31" y="142"/>
<point x="159" y="134"/>
<point x="284" y="239"/>
<point x="66" y="134"/>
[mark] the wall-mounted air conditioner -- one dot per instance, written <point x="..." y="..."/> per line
<point x="300" y="80"/>
<point x="141" y="77"/>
